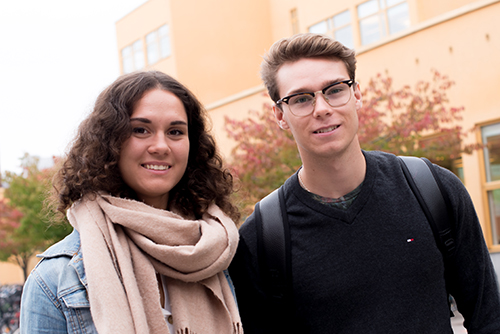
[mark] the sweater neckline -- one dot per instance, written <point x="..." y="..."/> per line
<point x="293" y="187"/>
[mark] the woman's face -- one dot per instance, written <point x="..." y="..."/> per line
<point x="154" y="158"/>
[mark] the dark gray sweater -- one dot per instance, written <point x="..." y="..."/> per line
<point x="373" y="268"/>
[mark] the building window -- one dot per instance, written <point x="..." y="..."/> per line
<point x="158" y="44"/>
<point x="338" y="26"/>
<point x="491" y="139"/>
<point x="295" y="21"/>
<point x="379" y="18"/>
<point x="133" y="57"/>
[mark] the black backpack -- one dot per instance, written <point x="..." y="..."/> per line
<point x="273" y="235"/>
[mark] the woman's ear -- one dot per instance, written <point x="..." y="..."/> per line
<point x="280" y="119"/>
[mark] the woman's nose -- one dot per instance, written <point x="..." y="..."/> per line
<point x="159" y="145"/>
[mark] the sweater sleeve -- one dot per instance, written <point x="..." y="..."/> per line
<point x="470" y="277"/>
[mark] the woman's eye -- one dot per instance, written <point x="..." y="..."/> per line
<point x="139" y="130"/>
<point x="176" y="132"/>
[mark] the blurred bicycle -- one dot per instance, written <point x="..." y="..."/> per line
<point x="10" y="302"/>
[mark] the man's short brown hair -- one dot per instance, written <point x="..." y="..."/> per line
<point x="300" y="46"/>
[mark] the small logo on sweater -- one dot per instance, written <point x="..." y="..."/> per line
<point x="410" y="240"/>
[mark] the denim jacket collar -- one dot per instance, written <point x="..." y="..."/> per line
<point x="69" y="246"/>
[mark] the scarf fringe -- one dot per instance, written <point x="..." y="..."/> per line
<point x="237" y="329"/>
<point x="184" y="331"/>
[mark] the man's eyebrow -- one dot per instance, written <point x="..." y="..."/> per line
<point x="325" y="84"/>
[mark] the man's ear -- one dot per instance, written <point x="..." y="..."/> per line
<point x="358" y="97"/>
<point x="280" y="119"/>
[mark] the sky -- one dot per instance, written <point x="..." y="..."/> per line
<point x="56" y="56"/>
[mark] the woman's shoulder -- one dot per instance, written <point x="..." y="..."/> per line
<point x="66" y="247"/>
<point x="55" y="288"/>
<point x="61" y="266"/>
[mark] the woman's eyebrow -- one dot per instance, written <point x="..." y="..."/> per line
<point x="140" y="119"/>
<point x="178" y="123"/>
<point x="148" y="121"/>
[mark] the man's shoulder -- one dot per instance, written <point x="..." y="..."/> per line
<point x="248" y="229"/>
<point x="249" y="223"/>
<point x="381" y="158"/>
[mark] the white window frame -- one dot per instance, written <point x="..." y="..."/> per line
<point x="492" y="185"/>
<point x="330" y="27"/>
<point x="133" y="57"/>
<point x="158" y="44"/>
<point x="378" y="13"/>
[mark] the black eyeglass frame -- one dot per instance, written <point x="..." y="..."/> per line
<point x="285" y="99"/>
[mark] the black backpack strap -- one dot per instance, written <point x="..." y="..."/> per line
<point x="428" y="190"/>
<point x="273" y="242"/>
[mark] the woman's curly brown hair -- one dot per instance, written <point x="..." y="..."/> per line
<point x="92" y="162"/>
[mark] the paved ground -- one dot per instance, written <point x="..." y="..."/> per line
<point x="456" y="323"/>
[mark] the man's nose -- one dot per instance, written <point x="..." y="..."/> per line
<point x="321" y="106"/>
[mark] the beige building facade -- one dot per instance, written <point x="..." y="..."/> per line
<point x="215" y="48"/>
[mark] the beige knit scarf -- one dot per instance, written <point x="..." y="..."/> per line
<point x="124" y="242"/>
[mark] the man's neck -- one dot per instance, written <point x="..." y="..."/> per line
<point x="334" y="177"/>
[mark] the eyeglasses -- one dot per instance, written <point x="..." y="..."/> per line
<point x="302" y="104"/>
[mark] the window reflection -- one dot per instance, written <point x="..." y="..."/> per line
<point x="378" y="18"/>
<point x="338" y="26"/>
<point x="494" y="201"/>
<point x="133" y="57"/>
<point x="491" y="137"/>
<point x="399" y="18"/>
<point x="158" y="44"/>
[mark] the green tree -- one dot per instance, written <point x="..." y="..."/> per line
<point x="406" y="121"/>
<point x="38" y="226"/>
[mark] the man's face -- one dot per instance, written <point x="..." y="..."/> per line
<point x="328" y="131"/>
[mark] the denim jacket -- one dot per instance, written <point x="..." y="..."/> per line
<point x="55" y="296"/>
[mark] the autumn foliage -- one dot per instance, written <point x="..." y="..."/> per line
<point x="27" y="226"/>
<point x="414" y="121"/>
<point x="263" y="157"/>
<point x="10" y="220"/>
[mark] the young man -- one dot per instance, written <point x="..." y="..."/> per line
<point x="363" y="255"/>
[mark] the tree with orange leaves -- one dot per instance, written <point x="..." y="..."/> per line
<point x="263" y="157"/>
<point x="10" y="220"/>
<point x="413" y="121"/>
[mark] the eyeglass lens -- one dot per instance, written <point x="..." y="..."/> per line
<point x="335" y="96"/>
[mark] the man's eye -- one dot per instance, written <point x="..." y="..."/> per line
<point x="300" y="99"/>
<point x="336" y="89"/>
<point x="333" y="91"/>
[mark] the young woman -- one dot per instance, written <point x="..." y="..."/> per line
<point x="146" y="192"/>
